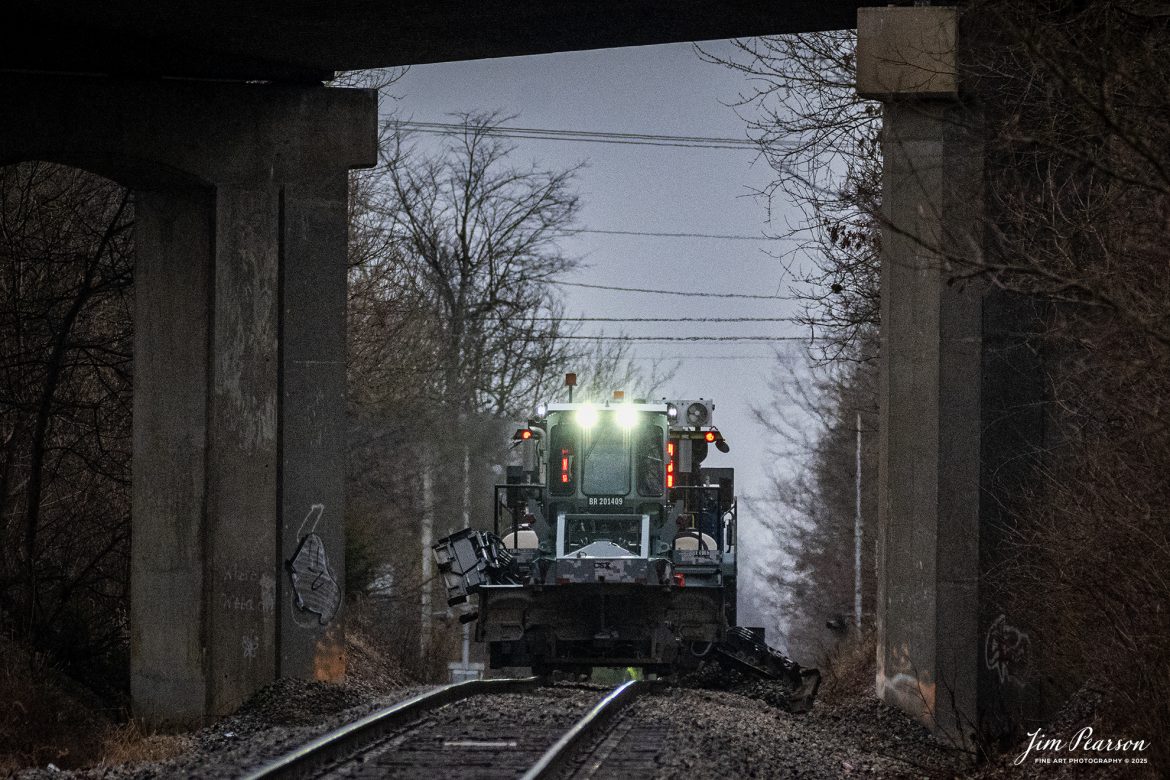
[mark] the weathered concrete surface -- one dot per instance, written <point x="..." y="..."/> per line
<point x="238" y="494"/>
<point x="312" y="417"/>
<point x="156" y="134"/>
<point x="929" y="503"/>
<point x="930" y="428"/>
<point x="168" y="614"/>
<point x="906" y="51"/>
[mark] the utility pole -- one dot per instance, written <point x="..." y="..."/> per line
<point x="857" y="536"/>
<point x="428" y="533"/>
<point x="466" y="524"/>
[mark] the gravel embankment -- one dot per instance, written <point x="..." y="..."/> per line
<point x="277" y="719"/>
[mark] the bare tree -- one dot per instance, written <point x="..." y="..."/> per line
<point x="66" y="264"/>
<point x="479" y="235"/>
<point x="822" y="141"/>
<point x="456" y="328"/>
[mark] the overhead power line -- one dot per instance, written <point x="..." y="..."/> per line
<point x="659" y="319"/>
<point x="683" y="293"/>
<point x="656" y="234"/>
<point x="674" y="338"/>
<point x="705" y="358"/>
<point x="586" y="136"/>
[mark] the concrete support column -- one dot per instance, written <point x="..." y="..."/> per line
<point x="168" y="612"/>
<point x="312" y="426"/>
<point x="239" y="430"/>
<point x="929" y="505"/>
<point x="237" y="561"/>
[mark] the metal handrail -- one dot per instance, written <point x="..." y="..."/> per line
<point x="496" y="503"/>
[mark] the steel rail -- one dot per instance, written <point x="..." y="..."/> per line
<point x="307" y="760"/>
<point x="556" y="757"/>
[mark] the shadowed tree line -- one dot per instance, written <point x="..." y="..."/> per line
<point x="66" y="298"/>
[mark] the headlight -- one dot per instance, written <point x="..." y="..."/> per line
<point x="627" y="415"/>
<point x="671" y="412"/>
<point x="587" y="416"/>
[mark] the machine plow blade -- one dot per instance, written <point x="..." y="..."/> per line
<point x="743" y="651"/>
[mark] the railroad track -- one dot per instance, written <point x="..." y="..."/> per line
<point x="482" y="728"/>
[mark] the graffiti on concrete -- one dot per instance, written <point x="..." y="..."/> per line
<point x="314" y="584"/>
<point x="1006" y="649"/>
<point x="251" y="645"/>
<point x="267" y="593"/>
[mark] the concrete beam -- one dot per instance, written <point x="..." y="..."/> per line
<point x="907" y="52"/>
<point x="244" y="39"/>
<point x="161" y="134"/>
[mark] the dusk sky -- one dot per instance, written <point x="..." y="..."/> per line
<point x="664" y="90"/>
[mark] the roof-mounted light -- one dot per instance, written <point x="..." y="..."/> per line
<point x="627" y="415"/>
<point x="587" y="416"/>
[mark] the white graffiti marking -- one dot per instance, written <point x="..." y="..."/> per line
<point x="1006" y="649"/>
<point x="314" y="584"/>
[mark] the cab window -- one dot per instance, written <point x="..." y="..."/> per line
<point x="606" y="465"/>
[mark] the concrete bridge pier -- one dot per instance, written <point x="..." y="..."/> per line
<point x="930" y="376"/>
<point x="239" y="371"/>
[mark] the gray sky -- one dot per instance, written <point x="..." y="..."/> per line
<point x="653" y="90"/>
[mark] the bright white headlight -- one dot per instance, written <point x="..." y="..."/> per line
<point x="587" y="416"/>
<point x="627" y="415"/>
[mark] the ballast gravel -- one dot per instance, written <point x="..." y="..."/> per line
<point x="732" y="733"/>
<point x="712" y="728"/>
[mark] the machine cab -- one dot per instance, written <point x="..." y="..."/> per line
<point x="618" y="481"/>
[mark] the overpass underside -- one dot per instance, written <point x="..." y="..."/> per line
<point x="240" y="190"/>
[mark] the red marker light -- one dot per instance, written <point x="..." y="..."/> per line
<point x="670" y="464"/>
<point x="566" y="477"/>
<point x="709" y="436"/>
<point x="526" y="434"/>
